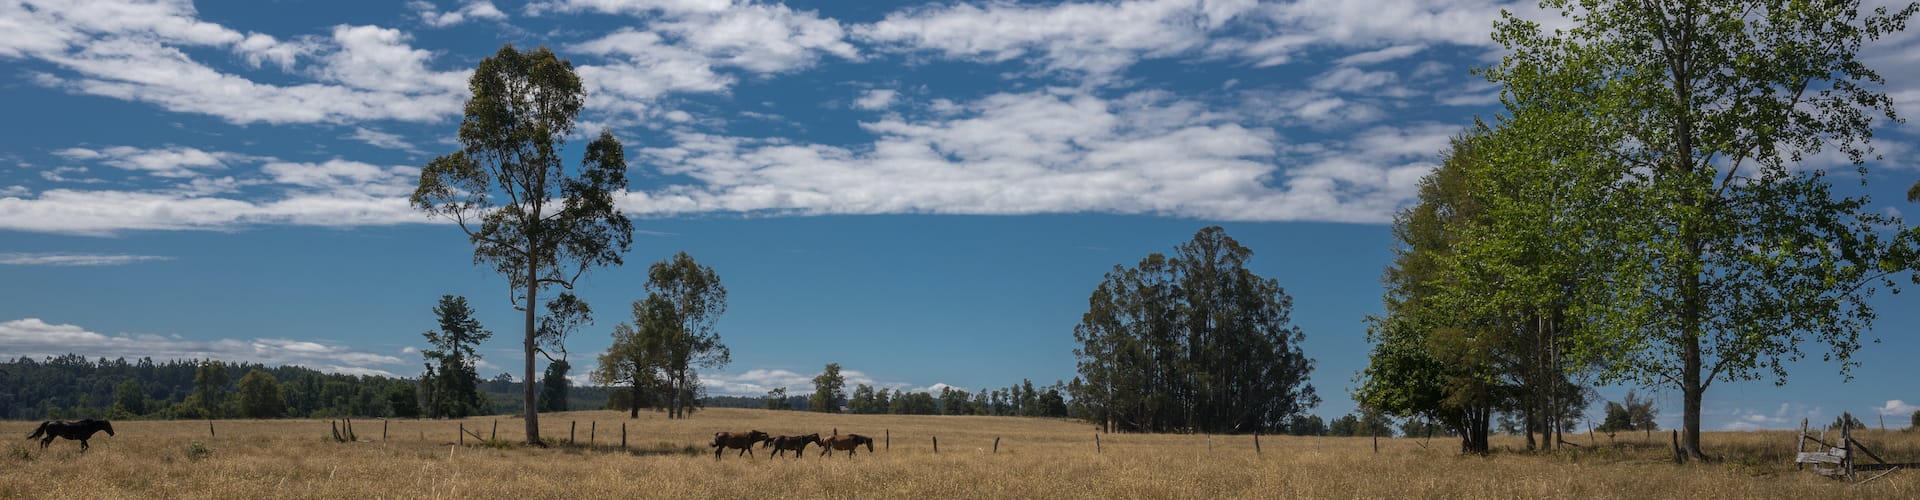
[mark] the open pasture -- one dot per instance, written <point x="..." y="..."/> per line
<point x="1037" y="458"/>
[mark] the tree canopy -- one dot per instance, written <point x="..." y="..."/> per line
<point x="260" y="396"/>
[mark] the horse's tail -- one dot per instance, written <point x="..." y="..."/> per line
<point x="39" y="431"/>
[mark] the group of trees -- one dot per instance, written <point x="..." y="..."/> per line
<point x="1630" y="414"/>
<point x="71" y="386"/>
<point x="1195" y="342"/>
<point x="1020" y="400"/>
<point x="672" y="335"/>
<point x="1641" y="213"/>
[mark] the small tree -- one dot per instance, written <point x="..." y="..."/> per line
<point x="633" y="359"/>
<point x="210" y="388"/>
<point x="554" y="386"/>
<point x="403" y="400"/>
<point x="862" y="401"/>
<point x="1916" y="421"/>
<point x="777" y="399"/>
<point x="260" y="396"/>
<point x="128" y="399"/>
<point x="1307" y="425"/>
<point x="1346" y="425"/>
<point x="1847" y="420"/>
<point x="1631" y="414"/>
<point x="452" y="361"/>
<point x="829" y="389"/>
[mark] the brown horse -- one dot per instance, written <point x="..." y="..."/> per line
<point x="744" y="441"/>
<point x="78" y="430"/>
<point x="844" y="442"/>
<point x="797" y="444"/>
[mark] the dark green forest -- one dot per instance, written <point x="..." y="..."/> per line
<point x="72" y="386"/>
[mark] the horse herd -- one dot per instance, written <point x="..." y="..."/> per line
<point x="744" y="442"/>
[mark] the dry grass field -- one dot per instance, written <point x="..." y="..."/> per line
<point x="1038" y="458"/>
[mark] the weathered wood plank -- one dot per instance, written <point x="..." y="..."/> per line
<point x="1819" y="457"/>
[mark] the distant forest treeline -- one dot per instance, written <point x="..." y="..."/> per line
<point x="71" y="386"/>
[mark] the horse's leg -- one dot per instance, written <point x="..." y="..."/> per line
<point x="47" y="441"/>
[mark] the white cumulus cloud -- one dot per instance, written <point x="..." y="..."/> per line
<point x="33" y="337"/>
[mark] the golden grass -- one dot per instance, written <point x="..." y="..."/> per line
<point x="1038" y="458"/>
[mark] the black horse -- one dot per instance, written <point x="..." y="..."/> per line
<point x="79" y="430"/>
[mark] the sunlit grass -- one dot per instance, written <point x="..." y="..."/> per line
<point x="1037" y="458"/>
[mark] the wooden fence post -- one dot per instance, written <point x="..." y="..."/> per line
<point x="1801" y="445"/>
<point x="463" y="434"/>
<point x="996" y="444"/>
<point x="1376" y="440"/>
<point x="573" y="426"/>
<point x="1209" y="444"/>
<point x="889" y="438"/>
<point x="936" y="444"/>
<point x="209" y="427"/>
<point x="1678" y="457"/>
<point x="496" y="431"/>
<point x="1256" y="444"/>
<point x="623" y="436"/>
<point x="1096" y="443"/>
<point x="593" y="429"/>
<point x="383" y="429"/>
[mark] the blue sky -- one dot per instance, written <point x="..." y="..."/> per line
<point x="924" y="193"/>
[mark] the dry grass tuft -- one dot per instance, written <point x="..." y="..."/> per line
<point x="1038" y="458"/>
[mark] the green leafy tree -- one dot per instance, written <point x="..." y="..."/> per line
<point x="829" y="389"/>
<point x="554" y="386"/>
<point x="452" y="361"/>
<point x="862" y="402"/>
<point x="1346" y="425"/>
<point x="210" y="389"/>
<point x="1306" y="425"/>
<point x="260" y="396"/>
<point x="128" y="399"/>
<point x="1731" y="257"/>
<point x="1632" y="413"/>
<point x="695" y="299"/>
<point x="1429" y="360"/>
<point x="1915" y="424"/>
<point x="1194" y="341"/>
<point x="637" y="352"/>
<point x="403" y="400"/>
<point x="508" y="189"/>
